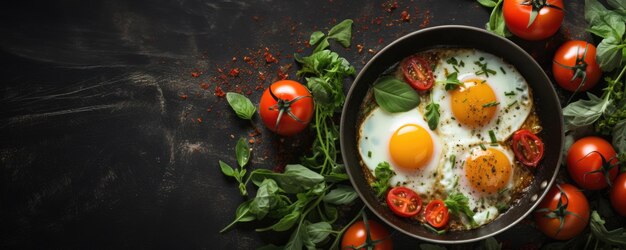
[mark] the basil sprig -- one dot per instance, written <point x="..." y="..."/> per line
<point x="394" y="95"/>
<point x="242" y="106"/>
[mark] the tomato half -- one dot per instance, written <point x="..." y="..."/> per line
<point x="528" y="148"/>
<point x="404" y="202"/>
<point x="618" y="194"/>
<point x="356" y="235"/>
<point x="437" y="214"/>
<point x="517" y="17"/>
<point x="574" y="62"/>
<point x="417" y="73"/>
<point x="563" y="213"/>
<point x="591" y="162"/>
<point x="286" y="107"/>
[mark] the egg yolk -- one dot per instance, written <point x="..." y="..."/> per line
<point x="473" y="103"/>
<point x="411" y="147"/>
<point x="488" y="171"/>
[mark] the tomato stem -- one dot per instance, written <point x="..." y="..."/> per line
<point x="284" y="106"/>
<point x="537" y="5"/>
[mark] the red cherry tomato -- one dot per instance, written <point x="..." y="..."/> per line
<point x="356" y="235"/>
<point x="417" y="73"/>
<point x="591" y="161"/>
<point x="404" y="202"/>
<point x="517" y="15"/>
<point x="528" y="148"/>
<point x="618" y="194"/>
<point x="286" y="107"/>
<point x="563" y="213"/>
<point x="436" y="214"/>
<point x="574" y="62"/>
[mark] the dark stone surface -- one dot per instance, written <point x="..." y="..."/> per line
<point x="101" y="149"/>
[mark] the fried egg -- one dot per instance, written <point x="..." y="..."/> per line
<point x="493" y="97"/>
<point x="406" y="143"/>
<point x="484" y="173"/>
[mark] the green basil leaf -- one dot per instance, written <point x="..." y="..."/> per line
<point x="594" y="11"/>
<point x="491" y="244"/>
<point x="331" y="212"/>
<point x="285" y="223"/>
<point x="432" y="115"/>
<point x="431" y="247"/>
<point x="383" y="174"/>
<point x="342" y="195"/>
<point x="393" y="95"/>
<point x="241" y="215"/>
<point x="226" y="169"/>
<point x="342" y="32"/>
<point x="320" y="89"/>
<point x="318" y="232"/>
<point x="316" y="37"/>
<point x="618" y="4"/>
<point x="266" y="198"/>
<point x="242" y="150"/>
<point x="488" y="3"/>
<point x="295" y="179"/>
<point x="322" y="45"/>
<point x="584" y="112"/>
<point x="619" y="136"/>
<point x="300" y="238"/>
<point x="615" y="237"/>
<point x="336" y="177"/>
<point x="496" y="21"/>
<point x="242" y="106"/>
<point x="609" y="53"/>
<point x="452" y="82"/>
<point x="457" y="203"/>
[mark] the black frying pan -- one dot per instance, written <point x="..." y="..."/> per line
<point x="546" y="105"/>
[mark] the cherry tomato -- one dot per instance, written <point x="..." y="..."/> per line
<point x="356" y="235"/>
<point x="618" y="194"/>
<point x="528" y="148"/>
<point x="286" y="107"/>
<point x="417" y="73"/>
<point x="404" y="202"/>
<point x="563" y="213"/>
<point x="574" y="62"/>
<point x="517" y="15"/>
<point x="591" y="162"/>
<point x="436" y="214"/>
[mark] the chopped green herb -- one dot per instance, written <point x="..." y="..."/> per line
<point x="457" y="203"/>
<point x="484" y="70"/>
<point x="520" y="89"/>
<point x="452" y="160"/>
<point x="456" y="182"/>
<point x="383" y="174"/>
<point x="455" y="69"/>
<point x="491" y="104"/>
<point x="462" y="64"/>
<point x="511" y="104"/>
<point x="451" y="82"/>
<point x="482" y="147"/>
<point x="502" y="69"/>
<point x="432" y="115"/>
<point x="369" y="154"/>
<point x="512" y="93"/>
<point x="452" y="61"/>
<point x="440" y="232"/>
<point x="492" y="135"/>
<point x="502" y="191"/>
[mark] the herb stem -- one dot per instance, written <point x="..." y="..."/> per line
<point x="336" y="241"/>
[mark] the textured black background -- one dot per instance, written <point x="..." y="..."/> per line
<point x="99" y="149"/>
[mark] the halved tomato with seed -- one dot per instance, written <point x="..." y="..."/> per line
<point x="417" y="73"/>
<point x="404" y="202"/>
<point x="437" y="214"/>
<point x="528" y="148"/>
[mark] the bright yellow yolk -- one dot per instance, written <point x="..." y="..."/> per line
<point x="488" y="171"/>
<point x="411" y="147"/>
<point x="472" y="103"/>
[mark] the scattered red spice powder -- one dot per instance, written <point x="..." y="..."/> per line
<point x="389" y="6"/>
<point x="269" y="58"/>
<point x="204" y="85"/>
<point x="195" y="74"/>
<point x="183" y="96"/>
<point x="405" y="16"/>
<point x="219" y="92"/>
<point x="359" y="48"/>
<point x="234" y="72"/>
<point x="199" y="120"/>
<point x="426" y="19"/>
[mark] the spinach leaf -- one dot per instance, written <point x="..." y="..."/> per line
<point x="242" y="151"/>
<point x="342" y="32"/>
<point x="393" y="95"/>
<point x="609" y="53"/>
<point x="383" y="174"/>
<point x="584" y="112"/>
<point x="242" y="106"/>
<point x="295" y="179"/>
<point x="342" y="195"/>
<point x="318" y="232"/>
<point x="432" y="115"/>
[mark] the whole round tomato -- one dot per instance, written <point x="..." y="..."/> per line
<point x="356" y="235"/>
<point x="574" y="62"/>
<point x="517" y="17"/>
<point x="591" y="162"/>
<point x="563" y="213"/>
<point x="618" y="194"/>
<point x="286" y="107"/>
<point x="404" y="202"/>
<point x="417" y="73"/>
